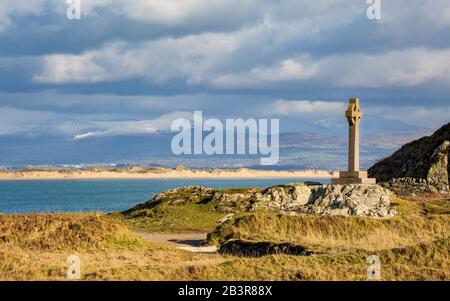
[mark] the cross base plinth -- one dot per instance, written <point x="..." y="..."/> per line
<point x="353" y="177"/>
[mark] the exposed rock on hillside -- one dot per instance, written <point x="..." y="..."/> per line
<point x="409" y="186"/>
<point x="438" y="172"/>
<point x="357" y="200"/>
<point x="420" y="166"/>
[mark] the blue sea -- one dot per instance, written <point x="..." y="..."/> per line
<point x="104" y="195"/>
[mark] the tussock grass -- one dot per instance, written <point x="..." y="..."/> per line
<point x="417" y="222"/>
<point x="63" y="231"/>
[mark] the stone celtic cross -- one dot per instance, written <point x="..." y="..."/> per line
<point x="354" y="116"/>
<point x="353" y="175"/>
<point x="353" y="112"/>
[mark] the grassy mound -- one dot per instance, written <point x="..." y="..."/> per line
<point x="172" y="218"/>
<point x="63" y="232"/>
<point x="186" y="209"/>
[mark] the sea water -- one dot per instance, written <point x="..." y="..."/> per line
<point x="104" y="195"/>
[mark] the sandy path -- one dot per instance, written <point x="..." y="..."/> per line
<point x="183" y="241"/>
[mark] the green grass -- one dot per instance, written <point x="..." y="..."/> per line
<point x="172" y="218"/>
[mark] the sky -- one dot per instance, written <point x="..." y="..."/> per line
<point x="130" y="67"/>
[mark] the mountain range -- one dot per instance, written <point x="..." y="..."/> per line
<point x="320" y="144"/>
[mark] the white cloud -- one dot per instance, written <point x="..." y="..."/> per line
<point x="202" y="59"/>
<point x="9" y="8"/>
<point x="429" y="14"/>
<point x="299" y="107"/>
<point x="287" y="71"/>
<point x="119" y="128"/>
<point x="178" y="12"/>
<point x="397" y="68"/>
<point x="190" y="58"/>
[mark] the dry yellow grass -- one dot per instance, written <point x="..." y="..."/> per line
<point x="417" y="222"/>
<point x="413" y="246"/>
<point x="63" y="231"/>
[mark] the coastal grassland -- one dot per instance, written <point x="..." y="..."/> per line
<point x="63" y="232"/>
<point x="36" y="247"/>
<point x="412" y="246"/>
<point x="171" y="218"/>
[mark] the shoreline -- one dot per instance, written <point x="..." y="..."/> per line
<point x="168" y="174"/>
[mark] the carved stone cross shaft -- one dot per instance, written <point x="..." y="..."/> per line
<point x="354" y="116"/>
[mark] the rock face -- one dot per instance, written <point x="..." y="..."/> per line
<point x="438" y="173"/>
<point x="436" y="180"/>
<point x="410" y="187"/>
<point x="422" y="162"/>
<point x="356" y="200"/>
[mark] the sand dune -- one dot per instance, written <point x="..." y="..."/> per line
<point x="160" y="173"/>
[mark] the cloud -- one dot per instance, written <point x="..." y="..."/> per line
<point x="398" y="68"/>
<point x="120" y="128"/>
<point x="300" y="107"/>
<point x="129" y="61"/>
<point x="180" y="12"/>
<point x="190" y="58"/>
<point x="204" y="60"/>
<point x="287" y="71"/>
<point x="9" y="8"/>
<point x="274" y="44"/>
<point x="14" y="121"/>
<point x="431" y="116"/>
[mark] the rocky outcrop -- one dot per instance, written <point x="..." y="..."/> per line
<point x="436" y="181"/>
<point x="438" y="172"/>
<point x="423" y="162"/>
<point x="291" y="197"/>
<point x="356" y="200"/>
<point x="410" y="187"/>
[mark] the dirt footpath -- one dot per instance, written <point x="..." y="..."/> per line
<point x="183" y="241"/>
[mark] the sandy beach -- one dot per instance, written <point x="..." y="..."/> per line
<point x="139" y="173"/>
